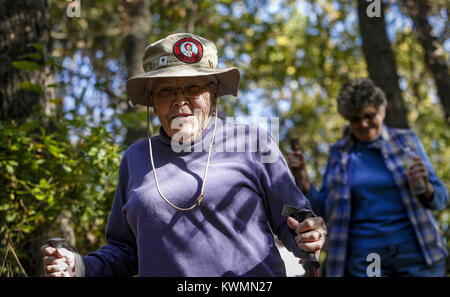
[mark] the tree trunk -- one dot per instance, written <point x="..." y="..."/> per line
<point x="381" y="63"/>
<point x="434" y="53"/>
<point x="23" y="23"/>
<point x="138" y="26"/>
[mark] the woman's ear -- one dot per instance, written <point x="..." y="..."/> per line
<point x="382" y="111"/>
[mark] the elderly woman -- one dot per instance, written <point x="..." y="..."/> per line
<point x="182" y="211"/>
<point x="366" y="200"/>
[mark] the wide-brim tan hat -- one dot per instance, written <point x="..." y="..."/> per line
<point x="181" y="55"/>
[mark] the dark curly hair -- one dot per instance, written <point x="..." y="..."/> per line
<point x="356" y="94"/>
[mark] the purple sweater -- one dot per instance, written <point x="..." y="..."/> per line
<point x="229" y="234"/>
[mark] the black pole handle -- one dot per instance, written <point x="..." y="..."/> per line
<point x="311" y="263"/>
<point x="56" y="242"/>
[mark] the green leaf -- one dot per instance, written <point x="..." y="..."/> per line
<point x="37" y="45"/>
<point x="54" y="150"/>
<point x="26" y="65"/>
<point x="55" y="61"/>
<point x="42" y="183"/>
<point x="36" y="56"/>
<point x="9" y="168"/>
<point x="57" y="101"/>
<point x="30" y="87"/>
<point x="26" y="229"/>
<point x="39" y="196"/>
<point x="129" y="120"/>
<point x="28" y="126"/>
<point x="93" y="151"/>
<point x="11" y="216"/>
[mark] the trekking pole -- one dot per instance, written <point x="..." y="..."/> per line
<point x="56" y="242"/>
<point x="296" y="171"/>
<point x="311" y="264"/>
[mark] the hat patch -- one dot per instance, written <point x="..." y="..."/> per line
<point x="162" y="61"/>
<point x="188" y="50"/>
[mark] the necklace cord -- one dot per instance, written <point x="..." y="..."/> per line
<point x="201" y="196"/>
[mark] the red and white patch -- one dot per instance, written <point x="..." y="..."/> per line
<point x="188" y="50"/>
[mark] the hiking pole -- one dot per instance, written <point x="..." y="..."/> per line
<point x="311" y="264"/>
<point x="56" y="242"/>
<point x="296" y="171"/>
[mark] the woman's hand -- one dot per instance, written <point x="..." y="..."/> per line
<point x="296" y="162"/>
<point x="311" y="234"/>
<point x="418" y="170"/>
<point x="58" y="262"/>
<point x="295" y="159"/>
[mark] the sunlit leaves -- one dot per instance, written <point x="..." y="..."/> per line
<point x="31" y="87"/>
<point x="26" y="65"/>
<point x="42" y="173"/>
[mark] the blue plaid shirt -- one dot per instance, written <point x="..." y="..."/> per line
<point x="333" y="200"/>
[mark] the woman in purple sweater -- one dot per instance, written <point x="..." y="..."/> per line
<point x="203" y="197"/>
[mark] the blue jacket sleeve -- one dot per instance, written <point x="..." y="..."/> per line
<point x="440" y="197"/>
<point x="119" y="256"/>
<point x="277" y="189"/>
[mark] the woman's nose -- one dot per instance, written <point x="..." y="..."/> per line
<point x="364" y="123"/>
<point x="180" y="99"/>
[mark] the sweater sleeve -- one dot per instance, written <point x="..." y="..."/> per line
<point x="277" y="189"/>
<point x="119" y="256"/>
<point x="440" y="197"/>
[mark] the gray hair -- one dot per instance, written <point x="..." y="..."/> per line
<point x="357" y="94"/>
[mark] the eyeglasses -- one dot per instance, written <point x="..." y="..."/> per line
<point x="189" y="91"/>
<point x="357" y="119"/>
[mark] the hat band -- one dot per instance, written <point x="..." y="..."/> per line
<point x="163" y="62"/>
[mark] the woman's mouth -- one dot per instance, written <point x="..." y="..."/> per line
<point x="181" y="118"/>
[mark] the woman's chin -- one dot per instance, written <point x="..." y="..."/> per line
<point x="186" y="135"/>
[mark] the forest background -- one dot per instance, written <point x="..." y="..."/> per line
<point x="65" y="119"/>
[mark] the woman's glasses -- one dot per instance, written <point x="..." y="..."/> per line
<point x="188" y="91"/>
<point x="367" y="116"/>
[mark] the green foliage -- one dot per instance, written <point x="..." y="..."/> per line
<point x="43" y="173"/>
<point x="26" y="65"/>
<point x="30" y="87"/>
